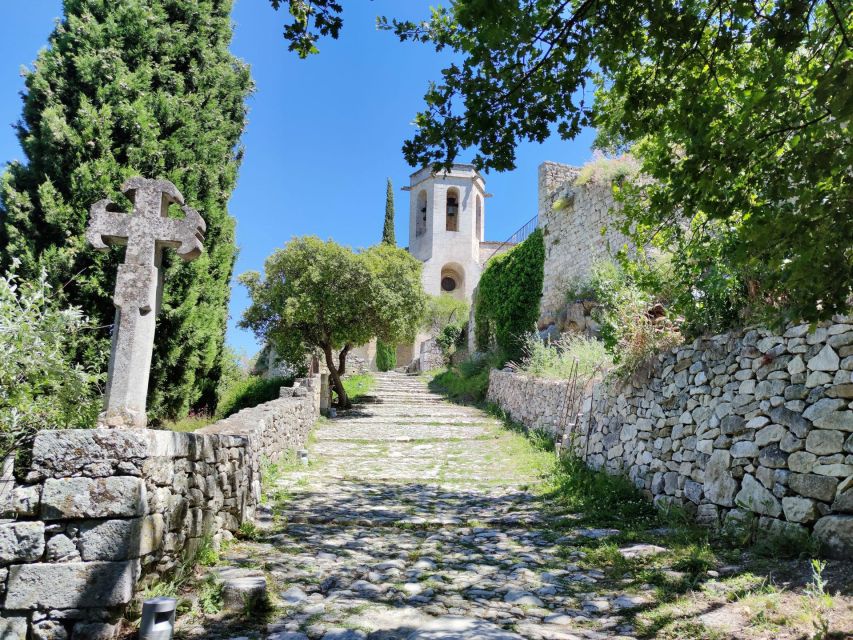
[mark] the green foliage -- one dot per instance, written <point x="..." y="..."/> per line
<point x="468" y="382"/>
<point x="210" y="596"/>
<point x="250" y="392"/>
<point x="41" y="387"/>
<point x="133" y="88"/>
<point x="450" y="340"/>
<point x="207" y="554"/>
<point x="558" y="359"/>
<point x="507" y="304"/>
<point x="388" y="228"/>
<point x="738" y="112"/>
<point x="634" y="325"/>
<point x="386" y="356"/>
<point x="321" y="295"/>
<point x="248" y="530"/>
<point x="604" y="170"/>
<point x="819" y="601"/>
<point x="603" y="499"/>
<point x="444" y="309"/>
<point x="359" y="385"/>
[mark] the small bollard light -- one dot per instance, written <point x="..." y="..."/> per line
<point x="303" y="457"/>
<point x="158" y="619"/>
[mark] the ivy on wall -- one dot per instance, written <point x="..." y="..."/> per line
<point x="507" y="304"/>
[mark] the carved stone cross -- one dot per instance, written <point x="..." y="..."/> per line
<point x="145" y="231"/>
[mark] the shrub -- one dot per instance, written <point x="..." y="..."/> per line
<point x="386" y="356"/>
<point x="41" y="385"/>
<point x="443" y="310"/>
<point x="603" y="170"/>
<point x="558" y="359"/>
<point x="249" y="392"/>
<point x="507" y="304"/>
<point x="469" y="380"/>
<point x="634" y="325"/>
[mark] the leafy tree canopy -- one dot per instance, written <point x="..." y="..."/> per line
<point x="318" y="294"/>
<point x="739" y="110"/>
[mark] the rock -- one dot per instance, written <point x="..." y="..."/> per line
<point x="293" y="596"/>
<point x="345" y="634"/>
<point x="770" y="433"/>
<point x="21" y="541"/>
<point x="798" y="425"/>
<point x="796" y="365"/>
<point x="823" y="442"/>
<point x="773" y="457"/>
<point x="640" y="551"/>
<point x="523" y="598"/>
<point x="841" y="420"/>
<point x="844" y="496"/>
<point x="121" y="539"/>
<point x="241" y="587"/>
<point x="825" y="360"/>
<point x="801" y="462"/>
<point x="459" y="628"/>
<point x="755" y="497"/>
<point x="64" y="498"/>
<point x="72" y="585"/>
<point x="835" y="534"/>
<point x="61" y="549"/>
<point x="744" y="449"/>
<point x="13" y="628"/>
<point x="94" y="631"/>
<point x="813" y="486"/>
<point x="719" y="486"/>
<point x="49" y="630"/>
<point x="799" y="509"/>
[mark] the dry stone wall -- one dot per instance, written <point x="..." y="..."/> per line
<point x="748" y="428"/>
<point x="103" y="512"/>
<point x="573" y="233"/>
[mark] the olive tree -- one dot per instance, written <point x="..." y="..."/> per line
<point x="318" y="294"/>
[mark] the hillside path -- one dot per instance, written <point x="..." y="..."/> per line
<point x="418" y="519"/>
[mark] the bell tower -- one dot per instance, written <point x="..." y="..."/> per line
<point x="446" y="227"/>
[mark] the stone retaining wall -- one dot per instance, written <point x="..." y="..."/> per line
<point x="576" y="235"/>
<point x="745" y="428"/>
<point x="106" y="511"/>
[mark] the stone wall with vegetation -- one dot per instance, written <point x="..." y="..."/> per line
<point x="572" y="218"/>
<point x="103" y="512"/>
<point x="748" y="429"/>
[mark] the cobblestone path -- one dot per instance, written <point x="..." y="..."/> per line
<point x="418" y="518"/>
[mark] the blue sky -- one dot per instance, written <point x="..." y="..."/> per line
<point x="323" y="133"/>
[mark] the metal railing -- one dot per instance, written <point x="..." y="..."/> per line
<point x="519" y="236"/>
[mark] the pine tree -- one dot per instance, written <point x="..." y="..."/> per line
<point x="133" y="87"/>
<point x="388" y="229"/>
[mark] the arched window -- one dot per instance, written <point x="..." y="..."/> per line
<point x="421" y="214"/>
<point x="452" y="211"/>
<point x="479" y="219"/>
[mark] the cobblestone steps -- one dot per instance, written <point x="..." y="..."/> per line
<point x="415" y="520"/>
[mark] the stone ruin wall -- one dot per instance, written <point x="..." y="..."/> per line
<point x="104" y="512"/>
<point x="745" y="428"/>
<point x="573" y="238"/>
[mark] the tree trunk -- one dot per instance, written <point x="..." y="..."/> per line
<point x="335" y="377"/>
<point x="342" y="360"/>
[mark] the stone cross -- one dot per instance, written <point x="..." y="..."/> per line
<point x="145" y="231"/>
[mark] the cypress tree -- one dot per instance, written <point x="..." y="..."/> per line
<point x="388" y="229"/>
<point x="133" y="87"/>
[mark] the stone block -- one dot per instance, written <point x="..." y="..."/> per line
<point x="813" y="486"/>
<point x="840" y="420"/>
<point x="802" y="510"/>
<point x="94" y="631"/>
<point x="755" y="497"/>
<point x="49" y="630"/>
<point x="823" y="442"/>
<point x="835" y="534"/>
<point x="844" y="496"/>
<point x="60" y="548"/>
<point x="798" y="425"/>
<point x="13" y="628"/>
<point x="66" y="498"/>
<point x="773" y="457"/>
<point x="72" y="450"/>
<point x="744" y="449"/>
<point x="21" y="541"/>
<point x="825" y="360"/>
<point x="121" y="539"/>
<point x="720" y="487"/>
<point x="801" y="462"/>
<point x="73" y="585"/>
